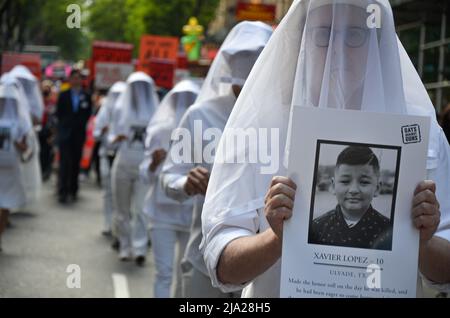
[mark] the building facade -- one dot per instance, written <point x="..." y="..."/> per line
<point x="424" y="29"/>
<point x="226" y="14"/>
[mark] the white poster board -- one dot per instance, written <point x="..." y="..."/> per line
<point x="107" y="74"/>
<point x="351" y="234"/>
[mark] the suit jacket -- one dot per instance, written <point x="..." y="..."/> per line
<point x="72" y="125"/>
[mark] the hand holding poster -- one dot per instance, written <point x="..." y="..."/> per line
<point x="351" y="234"/>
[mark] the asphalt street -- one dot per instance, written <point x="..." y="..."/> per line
<point x="50" y="250"/>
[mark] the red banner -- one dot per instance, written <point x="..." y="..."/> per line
<point x="163" y="73"/>
<point x="110" y="52"/>
<point x="256" y="12"/>
<point x="158" y="47"/>
<point x="31" y="61"/>
<point x="158" y="57"/>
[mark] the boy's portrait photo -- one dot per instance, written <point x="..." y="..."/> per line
<point x="353" y="196"/>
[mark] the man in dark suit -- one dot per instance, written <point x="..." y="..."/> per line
<point x="73" y="111"/>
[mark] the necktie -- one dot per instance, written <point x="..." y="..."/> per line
<point x="75" y="101"/>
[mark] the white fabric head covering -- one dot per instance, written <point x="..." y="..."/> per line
<point x="246" y="36"/>
<point x="169" y="114"/>
<point x="137" y="104"/>
<point x="12" y="110"/>
<point x="31" y="87"/>
<point x="118" y="87"/>
<point x="104" y="117"/>
<point x="13" y="86"/>
<point x="323" y="54"/>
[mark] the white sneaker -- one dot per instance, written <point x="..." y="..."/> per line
<point x="125" y="255"/>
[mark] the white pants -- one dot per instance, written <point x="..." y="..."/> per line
<point x="105" y="171"/>
<point x="198" y="285"/>
<point x="168" y="250"/>
<point x="12" y="188"/>
<point x="31" y="176"/>
<point x="128" y="195"/>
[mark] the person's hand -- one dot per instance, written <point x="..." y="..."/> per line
<point x="21" y="145"/>
<point x="158" y="157"/>
<point x="425" y="211"/>
<point x="279" y="203"/>
<point x="197" y="181"/>
<point x="105" y="130"/>
<point x="119" y="138"/>
<point x="35" y="120"/>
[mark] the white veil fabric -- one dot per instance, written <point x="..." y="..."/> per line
<point x="169" y="114"/>
<point x="12" y="89"/>
<point x="13" y="111"/>
<point x="32" y="90"/>
<point x="104" y="117"/>
<point x="323" y="54"/>
<point x="137" y="104"/>
<point x="30" y="173"/>
<point x="158" y="206"/>
<point x="14" y="125"/>
<point x="207" y="117"/>
<point x="244" y="37"/>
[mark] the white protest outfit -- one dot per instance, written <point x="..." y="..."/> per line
<point x="321" y="55"/>
<point x="15" y="124"/>
<point x="170" y="220"/>
<point x="32" y="169"/>
<point x="136" y="106"/>
<point x="208" y="118"/>
<point x="103" y="121"/>
<point x="31" y="87"/>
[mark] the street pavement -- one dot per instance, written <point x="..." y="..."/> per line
<point x="48" y="245"/>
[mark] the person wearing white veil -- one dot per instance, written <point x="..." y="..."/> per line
<point x="107" y="151"/>
<point x="31" y="171"/>
<point x="169" y="220"/>
<point x="188" y="177"/>
<point x="137" y="105"/>
<point x="32" y="89"/>
<point x="15" y="127"/>
<point x="323" y="54"/>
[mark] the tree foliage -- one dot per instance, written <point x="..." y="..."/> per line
<point x="14" y="18"/>
<point x="43" y="22"/>
<point x="128" y="20"/>
<point x="40" y="22"/>
<point x="107" y="19"/>
<point x="169" y="17"/>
